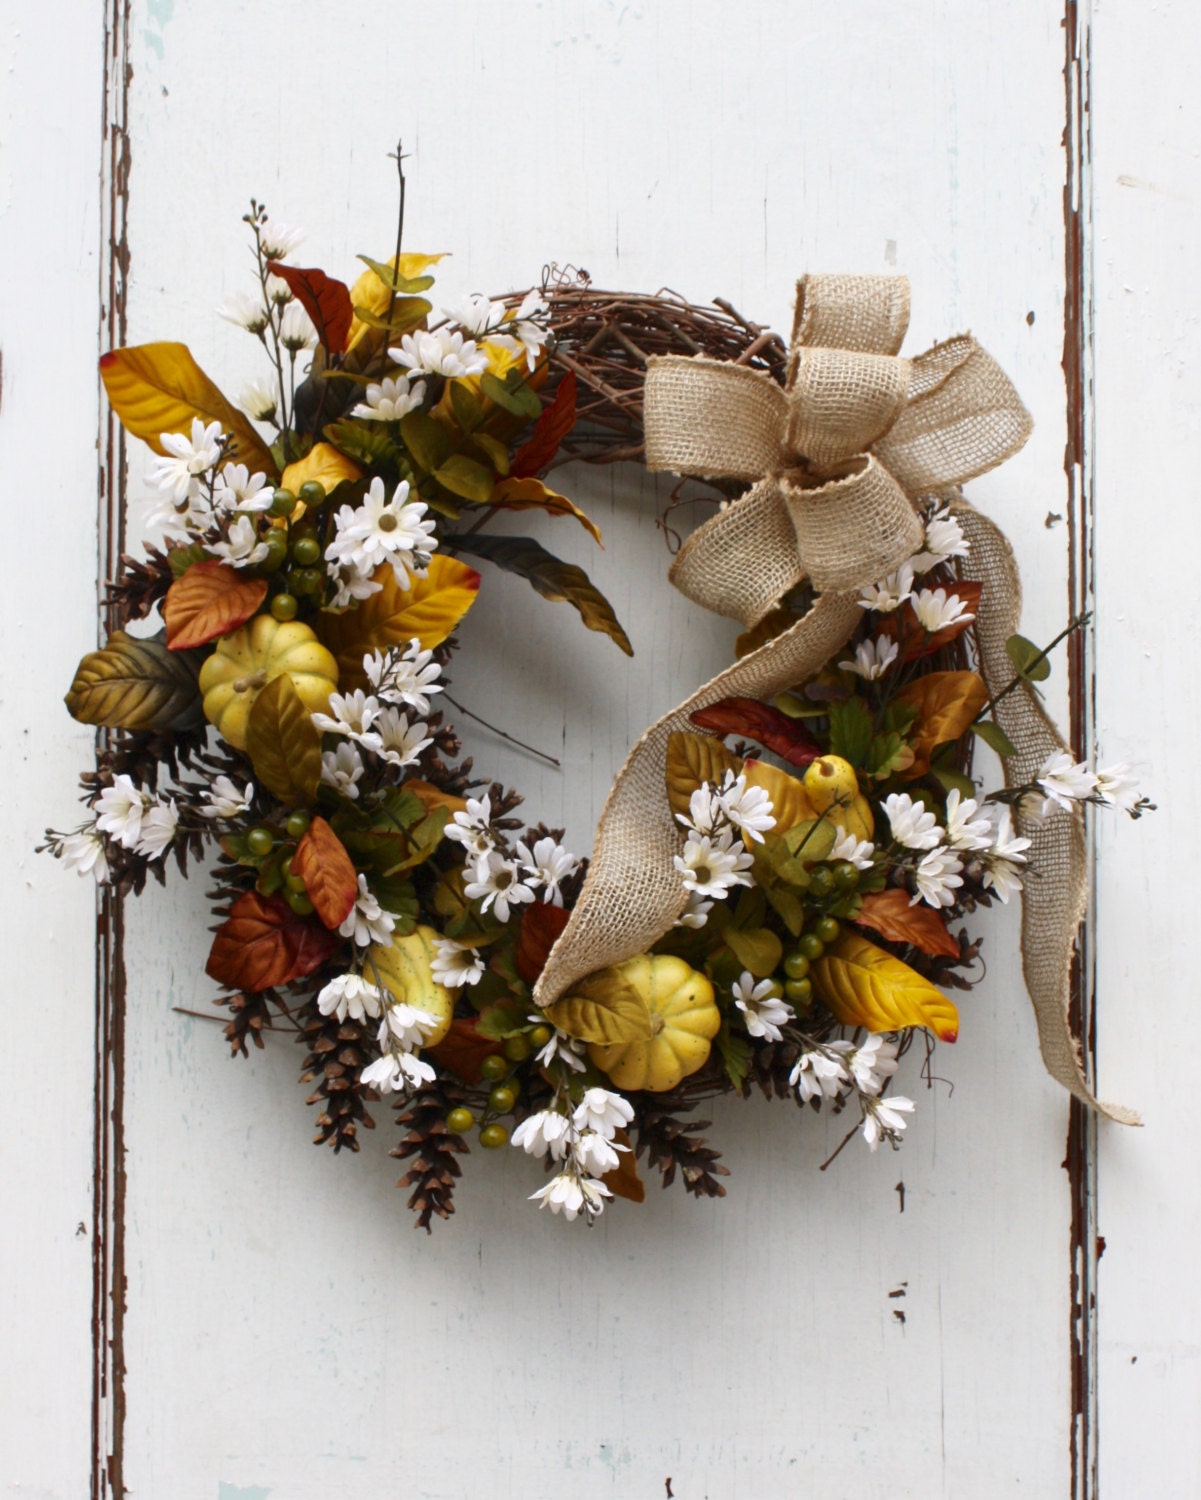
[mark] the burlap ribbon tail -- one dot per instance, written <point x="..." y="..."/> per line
<point x="835" y="459"/>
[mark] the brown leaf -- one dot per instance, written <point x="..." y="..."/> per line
<point x="330" y="880"/>
<point x="760" y="722"/>
<point x="552" y="427"/>
<point x="541" y="925"/>
<point x="946" y="703"/>
<point x="462" y="1050"/>
<point x="890" y="914"/>
<point x="903" y="626"/>
<point x="532" y="494"/>
<point x="325" y="300"/>
<point x="135" y="684"/>
<point x="263" y="944"/>
<point x="283" y="743"/>
<point x="623" y="1181"/>
<point x="209" y="600"/>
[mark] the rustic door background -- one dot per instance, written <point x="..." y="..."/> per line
<point x="197" y="1303"/>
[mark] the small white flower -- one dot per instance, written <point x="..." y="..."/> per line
<point x="938" y="876"/>
<point x="561" y="1048"/>
<point x="944" y="539"/>
<point x="279" y="240"/>
<point x="602" y="1110"/>
<point x="394" y="1073"/>
<point x="120" y="811"/>
<point x="696" y="913"/>
<point x="341" y="769"/>
<point x="383" y="530"/>
<point x="764" y="1011"/>
<point x="568" y="1194"/>
<point x="350" y="995"/>
<point x="1118" y="787"/>
<point x="456" y="964"/>
<point x="704" y="809"/>
<point x="596" y="1154"/>
<point x="471" y="828"/>
<point x="409" y="676"/>
<point x="241" y="548"/>
<point x="159" y="827"/>
<point x="296" y="331"/>
<point x="1001" y="862"/>
<point x="884" y="1119"/>
<point x="84" y="853"/>
<point x="177" y="471"/>
<point x="259" y="400"/>
<point x="439" y="352"/>
<point x="475" y="314"/>
<point x="749" y="808"/>
<point x="278" y="291"/>
<point x="546" y="1133"/>
<point x="890" y="593"/>
<point x="911" y="823"/>
<point x="1064" y="781"/>
<point x="497" y="884"/>
<point x="350" y="585"/>
<point x="523" y="331"/>
<point x="238" y="489"/>
<point x="858" y="852"/>
<point x="545" y="866"/>
<point x="367" y="921"/>
<point x="872" y="658"/>
<point x="713" y="868"/>
<point x="937" y="610"/>
<point x="962" y="832"/>
<point x="871" y="1062"/>
<point x="226" y="799"/>
<point x="395" y="739"/>
<point x="819" y="1074"/>
<point x="389" y="400"/>
<point x="351" y="714"/>
<point x="405" y="1027"/>
<point x="244" y="311"/>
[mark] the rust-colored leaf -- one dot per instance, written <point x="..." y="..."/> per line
<point x="623" y="1181"/>
<point x="209" y="600"/>
<point x="326" y="301"/>
<point x="462" y="1050"/>
<point x="263" y="944"/>
<point x="946" y="703"/>
<point x="904" y="627"/>
<point x="556" y="421"/>
<point x="760" y="722"/>
<point x="532" y="494"/>
<point x="330" y="881"/>
<point x="890" y="914"/>
<point x="541" y="925"/>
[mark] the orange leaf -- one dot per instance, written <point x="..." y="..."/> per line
<point x="209" y="600"/>
<point x="532" y="494"/>
<point x="623" y="1181"/>
<point x="541" y="925"/>
<point x="325" y="300"/>
<point x="263" y="943"/>
<point x="463" y="1050"/>
<point x="432" y="797"/>
<point x="890" y="914"/>
<point x="330" y="881"/>
<point x="946" y="703"/>
<point x="552" y="427"/>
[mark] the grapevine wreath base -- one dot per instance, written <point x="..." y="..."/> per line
<point x="776" y="897"/>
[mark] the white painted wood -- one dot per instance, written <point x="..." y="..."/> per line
<point x="49" y="270"/>
<point x="1147" y="137"/>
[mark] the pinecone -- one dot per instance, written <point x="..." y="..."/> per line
<point x="338" y="1050"/>
<point x="250" y="1015"/>
<point x="670" y="1143"/>
<point x="432" y="1175"/>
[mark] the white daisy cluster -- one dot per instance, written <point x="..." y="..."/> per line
<point x="378" y="531"/>
<point x="136" y="819"/>
<point x="1063" y="782"/>
<point x="401" y="678"/>
<point x="936" y="609"/>
<point x="502" y="881"/>
<point x="715" y="858"/>
<point x="403" y="1030"/>
<point x="197" y="492"/>
<point x="829" y="1070"/>
<point x="582" y="1139"/>
<point x="940" y="852"/>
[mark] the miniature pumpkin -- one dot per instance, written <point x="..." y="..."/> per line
<point x="683" y="1017"/>
<point x="403" y="969"/>
<point x="833" y="787"/>
<point x="246" y="660"/>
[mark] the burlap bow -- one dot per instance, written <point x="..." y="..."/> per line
<point x="836" y="457"/>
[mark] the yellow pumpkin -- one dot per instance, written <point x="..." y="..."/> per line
<point x="684" y="1020"/>
<point x="246" y="660"/>
<point x="403" y="969"/>
<point x="833" y="787"/>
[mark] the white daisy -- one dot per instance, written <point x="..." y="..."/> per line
<point x="912" y="824"/>
<point x="367" y="921"/>
<point x="596" y="1154"/>
<point x="278" y="291"/>
<point x="409" y="676"/>
<point x="259" y="400"/>
<point x="120" y="810"/>
<point x="858" y="852"/>
<point x="341" y="769"/>
<point x="1064" y="781"/>
<point x="350" y="995"/>
<point x="819" y="1074"/>
<point x="890" y="593"/>
<point x="872" y="658"/>
<point x="602" y="1110"/>
<point x="569" y="1193"/>
<point x="405" y="1027"/>
<point x="872" y="1062"/>
<point x="944" y="539"/>
<point x="244" y="311"/>
<point x="351" y="714"/>
<point x="937" y="610"/>
<point x="523" y="331"/>
<point x="497" y="885"/>
<point x="545" y="866"/>
<point x="749" y="808"/>
<point x="561" y="1048"/>
<point x="456" y="964"/>
<point x="439" y="352"/>
<point x="765" y="1013"/>
<point x="383" y="530"/>
<point x="350" y="585"/>
<point x="279" y="240"/>
<point x="241" y="547"/>
<point x="238" y="489"/>
<point x="389" y="400"/>
<point x="177" y="471"/>
<point x="938" y="877"/>
<point x="884" y="1119"/>
<point x="226" y="799"/>
<point x="471" y="827"/>
<point x="696" y="913"/>
<point x="84" y="852"/>
<point x="546" y="1133"/>
<point x="159" y="827"/>
<point x="1118" y="787"/>
<point x="713" y="868"/>
<point x="296" y="331"/>
<point x="1002" y="860"/>
<point x="397" y="1072"/>
<point x="395" y="739"/>
<point x="475" y="314"/>
<point x="962" y="832"/>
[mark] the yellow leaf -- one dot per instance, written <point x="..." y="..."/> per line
<point x="862" y="985"/>
<point x="946" y="703"/>
<point x="605" y="1009"/>
<point x="157" y="388"/>
<point x="789" y="799"/>
<point x="370" y="291"/>
<point x="532" y="494"/>
<point x="428" y="610"/>
<point x="692" y="759"/>
<point x="323" y="464"/>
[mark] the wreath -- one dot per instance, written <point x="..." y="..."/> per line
<point x="783" y="866"/>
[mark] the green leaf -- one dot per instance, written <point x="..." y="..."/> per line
<point x="407" y="312"/>
<point x="394" y="280"/>
<point x="993" y="736"/>
<point x="136" y="684"/>
<point x="951" y="780"/>
<point x="496" y="452"/>
<point x="367" y="443"/>
<point x="512" y="393"/>
<point x="181" y="559"/>
<point x="812" y="840"/>
<point x="851" y="730"/>
<point x="886" y="754"/>
<point x="759" y="950"/>
<point x="465" y="404"/>
<point x="735" y="1055"/>
<point x="551" y="577"/>
<point x="504" y="1019"/>
<point x="799" y="708"/>
<point x="787" y="905"/>
<point x="1029" y="659"/>
<point x="463" y="476"/>
<point x="283" y="743"/>
<point x="427" y="440"/>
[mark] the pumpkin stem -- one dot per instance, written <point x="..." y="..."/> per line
<point x="252" y="683"/>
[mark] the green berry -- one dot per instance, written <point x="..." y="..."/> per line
<point x="517" y="1048"/>
<point x="294" y="882"/>
<point x="846" y="876"/>
<point x="811" y="946"/>
<point x="277" y="549"/>
<point x="493" y="1136"/>
<point x="494" y="1067"/>
<point x="502" y="1098"/>
<point x="827" y="928"/>
<point x="821" y="882"/>
<point x="460" y="1120"/>
<point x="306" y="550"/>
<point x="283" y="503"/>
<point x="799" y="991"/>
<point x="260" y="841"/>
<point x="300" y="903"/>
<point x="284" y="606"/>
<point x="307" y="580"/>
<point x="540" y="1036"/>
<point x="297" y="825"/>
<point x="796" y="965"/>
<point x="312" y="493"/>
